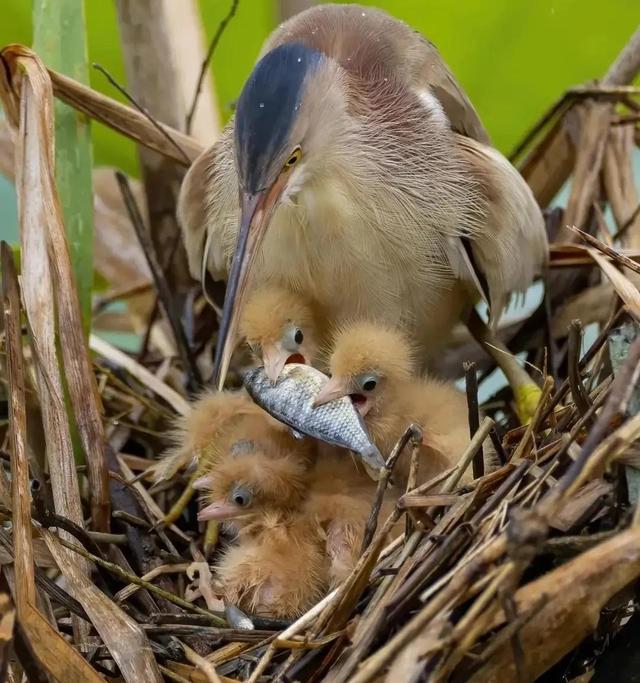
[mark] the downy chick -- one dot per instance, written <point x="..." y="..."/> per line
<point x="281" y="327"/>
<point x="374" y="365"/>
<point x="333" y="497"/>
<point x="259" y="472"/>
<point x="196" y="432"/>
<point x="339" y="499"/>
<point x="256" y="486"/>
<point x="279" y="572"/>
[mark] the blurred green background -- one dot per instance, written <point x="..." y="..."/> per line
<point x="514" y="57"/>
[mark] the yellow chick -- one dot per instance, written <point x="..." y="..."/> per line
<point x="280" y="327"/>
<point x="374" y="365"/>
<point x="279" y="570"/>
<point x="208" y="416"/>
<point x="339" y="498"/>
<point x="258" y="472"/>
<point x="333" y="496"/>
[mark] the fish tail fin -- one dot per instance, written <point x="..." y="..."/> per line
<point x="373" y="458"/>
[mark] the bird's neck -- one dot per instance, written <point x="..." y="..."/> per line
<point x="389" y="417"/>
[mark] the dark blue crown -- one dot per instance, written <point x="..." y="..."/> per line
<point x="267" y="108"/>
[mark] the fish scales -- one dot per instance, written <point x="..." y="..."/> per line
<point x="291" y="401"/>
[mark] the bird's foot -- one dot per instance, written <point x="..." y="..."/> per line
<point x="527" y="398"/>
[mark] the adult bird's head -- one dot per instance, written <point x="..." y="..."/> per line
<point x="283" y="119"/>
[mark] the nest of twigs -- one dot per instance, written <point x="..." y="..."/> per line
<point x="528" y="571"/>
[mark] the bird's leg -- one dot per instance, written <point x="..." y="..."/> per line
<point x="525" y="391"/>
<point x="182" y="502"/>
<point x="211" y="534"/>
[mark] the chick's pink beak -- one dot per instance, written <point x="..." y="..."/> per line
<point x="219" y="509"/>
<point x="202" y="483"/>
<point x="334" y="389"/>
<point x="274" y="358"/>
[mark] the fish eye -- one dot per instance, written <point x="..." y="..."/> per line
<point x="292" y="338"/>
<point x="368" y="382"/>
<point x="241" y="496"/>
<point x="295" y="157"/>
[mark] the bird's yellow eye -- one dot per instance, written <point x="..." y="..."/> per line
<point x="294" y="158"/>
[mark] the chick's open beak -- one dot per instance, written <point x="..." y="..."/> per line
<point x="219" y="509"/>
<point x="274" y="358"/>
<point x="255" y="214"/>
<point x="335" y="388"/>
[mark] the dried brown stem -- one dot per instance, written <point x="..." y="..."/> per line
<point x="607" y="250"/>
<point x="123" y="119"/>
<point x="578" y="391"/>
<point x="164" y="292"/>
<point x="144" y="112"/>
<point x="21" y="499"/>
<point x="471" y="385"/>
<point x="132" y="578"/>
<point x="207" y="60"/>
<point x="413" y="433"/>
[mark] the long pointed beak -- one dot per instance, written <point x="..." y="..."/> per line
<point x="255" y="213"/>
<point x="219" y="509"/>
<point x="334" y="389"/>
<point x="274" y="358"/>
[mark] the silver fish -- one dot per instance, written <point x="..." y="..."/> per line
<point x="290" y="400"/>
<point x="237" y="618"/>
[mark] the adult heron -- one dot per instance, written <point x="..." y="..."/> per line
<point x="356" y="171"/>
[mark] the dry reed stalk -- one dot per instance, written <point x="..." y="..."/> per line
<point x="7" y="623"/>
<point x="111" y="353"/>
<point x="187" y="43"/>
<point x="607" y="250"/>
<point x="127" y="642"/>
<point x="37" y="279"/>
<point x="570" y="255"/>
<point x="167" y="297"/>
<point x="20" y="499"/>
<point x="53" y="653"/>
<point x="625" y="289"/>
<point x="621" y="189"/>
<point x="590" y="147"/>
<point x="50" y="293"/>
<point x="207" y="668"/>
<point x="153" y="79"/>
<point x="552" y="160"/>
<point x="125" y="120"/>
<point x="576" y="592"/>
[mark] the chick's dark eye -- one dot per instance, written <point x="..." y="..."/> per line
<point x="369" y="385"/>
<point x="241" y="496"/>
<point x="299" y="337"/>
